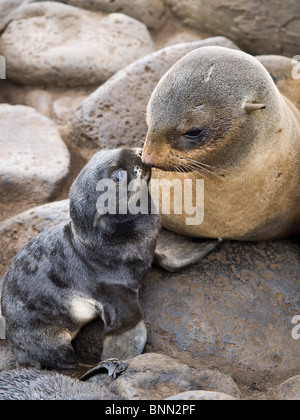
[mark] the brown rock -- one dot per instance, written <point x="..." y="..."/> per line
<point x="34" y="161"/>
<point x="155" y="377"/>
<point x="233" y="310"/>
<point x="288" y="390"/>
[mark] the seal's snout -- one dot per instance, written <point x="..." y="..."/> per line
<point x="147" y="159"/>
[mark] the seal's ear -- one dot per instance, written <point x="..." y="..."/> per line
<point x="253" y="107"/>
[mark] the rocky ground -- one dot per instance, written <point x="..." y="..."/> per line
<point x="79" y="77"/>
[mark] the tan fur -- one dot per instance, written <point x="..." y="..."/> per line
<point x="250" y="155"/>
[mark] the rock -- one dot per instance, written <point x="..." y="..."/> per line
<point x="19" y="230"/>
<point x="257" y="27"/>
<point x="288" y="391"/>
<point x="155" y="377"/>
<point x="114" y="115"/>
<point x="34" y="161"/>
<point x="202" y="396"/>
<point x="282" y="70"/>
<point x="148" y="11"/>
<point x="7" y="6"/>
<point x="34" y="385"/>
<point x="69" y="47"/>
<point x="233" y="310"/>
<point x="55" y="103"/>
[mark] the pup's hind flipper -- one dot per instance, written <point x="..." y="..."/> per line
<point x="113" y="367"/>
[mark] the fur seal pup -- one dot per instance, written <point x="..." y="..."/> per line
<point x="218" y="115"/>
<point x="87" y="269"/>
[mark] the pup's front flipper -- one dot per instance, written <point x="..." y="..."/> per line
<point x="127" y="345"/>
<point x="114" y="367"/>
<point x="175" y="252"/>
<point x="125" y="333"/>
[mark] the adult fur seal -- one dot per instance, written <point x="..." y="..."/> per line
<point x="87" y="269"/>
<point x="218" y="115"/>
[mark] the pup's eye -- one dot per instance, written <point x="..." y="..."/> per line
<point x="120" y="176"/>
<point x="194" y="134"/>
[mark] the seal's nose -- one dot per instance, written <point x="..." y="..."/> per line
<point x="147" y="159"/>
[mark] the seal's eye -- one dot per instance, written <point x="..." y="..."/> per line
<point x="120" y="176"/>
<point x="194" y="134"/>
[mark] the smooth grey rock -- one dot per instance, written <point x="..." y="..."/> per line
<point x="34" y="161"/>
<point x="114" y="115"/>
<point x="64" y="46"/>
<point x="270" y="27"/>
<point x="150" y="12"/>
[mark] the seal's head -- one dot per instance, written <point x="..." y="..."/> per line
<point x="100" y="195"/>
<point x="210" y="109"/>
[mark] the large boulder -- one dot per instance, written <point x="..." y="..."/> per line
<point x="148" y="11"/>
<point x="64" y="46"/>
<point x="7" y="6"/>
<point x="114" y="115"/>
<point x="34" y="161"/>
<point x="288" y="390"/>
<point x="233" y="310"/>
<point x="259" y="27"/>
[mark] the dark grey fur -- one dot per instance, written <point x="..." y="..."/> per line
<point x="98" y="261"/>
<point x="25" y="384"/>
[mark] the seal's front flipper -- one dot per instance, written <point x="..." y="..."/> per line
<point x="175" y="252"/>
<point x="127" y="345"/>
<point x="114" y="367"/>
